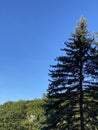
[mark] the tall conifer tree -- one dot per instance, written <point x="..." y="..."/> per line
<point x="72" y="80"/>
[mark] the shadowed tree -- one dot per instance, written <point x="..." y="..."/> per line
<point x="72" y="80"/>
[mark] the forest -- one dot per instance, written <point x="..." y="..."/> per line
<point x="22" y="115"/>
<point x="71" y="101"/>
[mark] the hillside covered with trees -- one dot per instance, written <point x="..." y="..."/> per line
<point x="22" y="115"/>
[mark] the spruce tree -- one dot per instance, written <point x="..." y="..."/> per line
<point x="73" y="81"/>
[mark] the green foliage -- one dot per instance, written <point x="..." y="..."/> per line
<point x="22" y="115"/>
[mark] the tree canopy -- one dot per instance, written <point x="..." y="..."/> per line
<point x="22" y="115"/>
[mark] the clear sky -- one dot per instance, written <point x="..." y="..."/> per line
<point x="31" y="35"/>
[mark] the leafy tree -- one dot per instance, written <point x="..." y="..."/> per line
<point x="22" y="115"/>
<point x="74" y="75"/>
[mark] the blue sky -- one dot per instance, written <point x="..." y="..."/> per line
<point x="31" y="35"/>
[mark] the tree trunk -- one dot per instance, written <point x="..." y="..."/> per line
<point x="81" y="92"/>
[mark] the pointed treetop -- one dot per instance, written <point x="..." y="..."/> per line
<point x="82" y="23"/>
<point x="81" y="27"/>
<point x="83" y="20"/>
